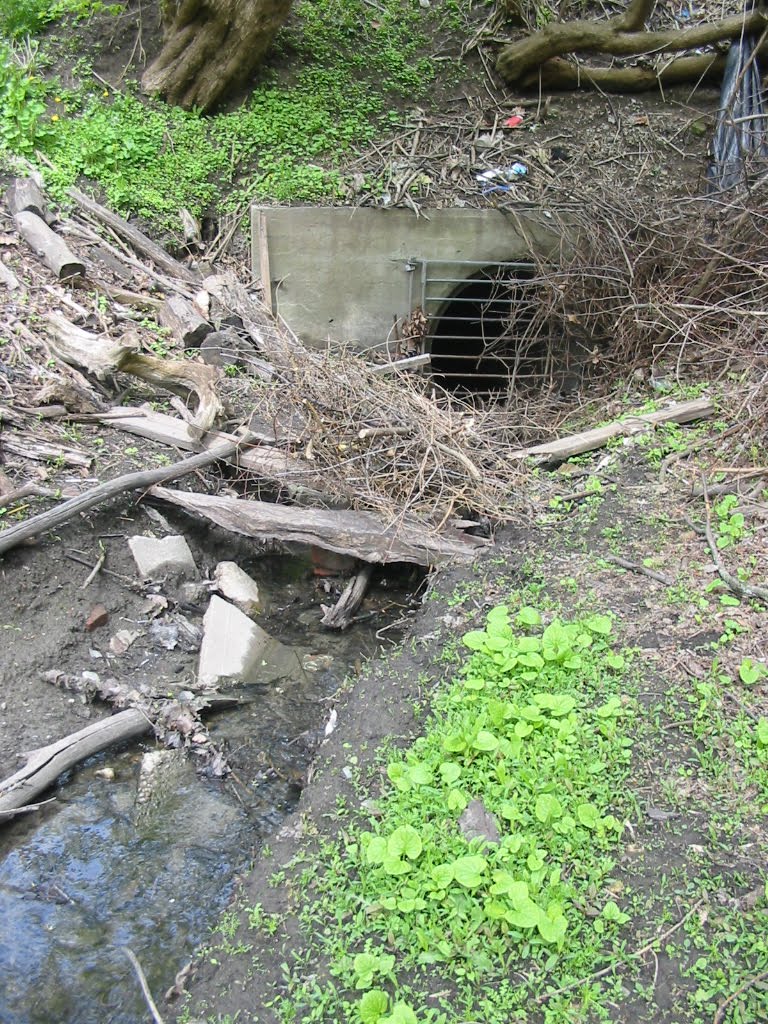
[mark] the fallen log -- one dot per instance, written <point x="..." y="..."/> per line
<point x="140" y="242"/>
<point x="8" y="278"/>
<point x="99" y="354"/>
<point x="24" y="195"/>
<point x="183" y="321"/>
<point x="15" y="535"/>
<point x="360" y="534"/>
<point x="340" y="615"/>
<point x="45" y="764"/>
<point x="576" y="444"/>
<point x="52" y="250"/>
<point x="102" y="355"/>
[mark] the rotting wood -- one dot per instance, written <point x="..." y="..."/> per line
<point x="140" y="242"/>
<point x="99" y="354"/>
<point x="8" y="278"/>
<point x="181" y="376"/>
<point x="739" y="587"/>
<point x="621" y="36"/>
<point x="589" y="440"/>
<point x="360" y="534"/>
<point x="15" y="535"/>
<point x="51" y="249"/>
<point x="409" y="363"/>
<point x="186" y="325"/>
<point x="264" y="271"/>
<point x="25" y="491"/>
<point x="642" y="570"/>
<point x="41" y="451"/>
<point x="24" y="195"/>
<point x="341" y="614"/>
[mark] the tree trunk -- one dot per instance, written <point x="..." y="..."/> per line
<point x="532" y="61"/>
<point x="211" y="48"/>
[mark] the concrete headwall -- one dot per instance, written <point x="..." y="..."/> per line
<point x="346" y="274"/>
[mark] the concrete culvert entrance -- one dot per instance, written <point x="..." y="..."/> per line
<point x="481" y="320"/>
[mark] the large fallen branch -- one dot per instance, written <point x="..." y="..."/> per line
<point x="360" y="534"/>
<point x="521" y="62"/>
<point x="15" y="535"/>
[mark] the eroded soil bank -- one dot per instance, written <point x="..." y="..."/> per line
<point x="681" y="909"/>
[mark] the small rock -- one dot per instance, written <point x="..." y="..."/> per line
<point x="108" y="774"/>
<point x="122" y="640"/>
<point x="238" y="587"/>
<point x="478" y="823"/>
<point x="98" y="617"/>
<point x="156" y="557"/>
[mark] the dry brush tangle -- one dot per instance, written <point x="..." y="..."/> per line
<point x="211" y="48"/>
<point x="537" y="60"/>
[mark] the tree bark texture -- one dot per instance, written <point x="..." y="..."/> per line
<point x="211" y="48"/>
<point x="533" y="60"/>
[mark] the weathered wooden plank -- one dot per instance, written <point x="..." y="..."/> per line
<point x="51" y="249"/>
<point x="589" y="440"/>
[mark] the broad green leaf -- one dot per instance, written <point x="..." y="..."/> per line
<point x="532" y="660"/>
<point x="475" y="639"/>
<point x="751" y="671"/>
<point x="468" y="871"/>
<point x="615" y="661"/>
<point x="485" y="741"/>
<point x="610" y="709"/>
<point x="535" y="860"/>
<point x="497" y="643"/>
<point x="401" y="1014"/>
<point x="455" y="743"/>
<point x="457" y="801"/>
<point x="588" y="815"/>
<point x="547" y="808"/>
<point x="442" y="875"/>
<point x="762" y="732"/>
<point x="528" y="644"/>
<point x="376" y="850"/>
<point x="420" y="775"/>
<point x="404" y="841"/>
<point x="523" y="729"/>
<point x="528" y="616"/>
<point x="450" y="772"/>
<point x="611" y="912"/>
<point x="601" y="624"/>
<point x="495" y="910"/>
<point x="558" y="704"/>
<point x="373" y="1006"/>
<point x="526" y="915"/>
<point x="395" y="865"/>
<point x="498" y="614"/>
<point x="552" y="930"/>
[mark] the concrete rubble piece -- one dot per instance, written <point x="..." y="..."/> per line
<point x="236" y="650"/>
<point x="238" y="587"/>
<point x="166" y="556"/>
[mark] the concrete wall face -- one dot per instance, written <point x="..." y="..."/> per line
<point x="345" y="275"/>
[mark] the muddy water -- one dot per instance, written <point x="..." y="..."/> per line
<point x="92" y="873"/>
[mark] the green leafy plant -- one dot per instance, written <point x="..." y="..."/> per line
<point x="730" y="524"/>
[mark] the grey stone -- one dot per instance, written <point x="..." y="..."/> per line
<point x="478" y="823"/>
<point x="238" y="587"/>
<point x="236" y="650"/>
<point x="166" y="556"/>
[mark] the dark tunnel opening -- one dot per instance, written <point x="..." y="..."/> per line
<point x="481" y="337"/>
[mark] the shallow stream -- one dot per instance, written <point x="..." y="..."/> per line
<point x="93" y="872"/>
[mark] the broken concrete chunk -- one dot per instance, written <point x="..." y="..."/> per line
<point x="236" y="650"/>
<point x="166" y="556"/>
<point x="238" y="587"/>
